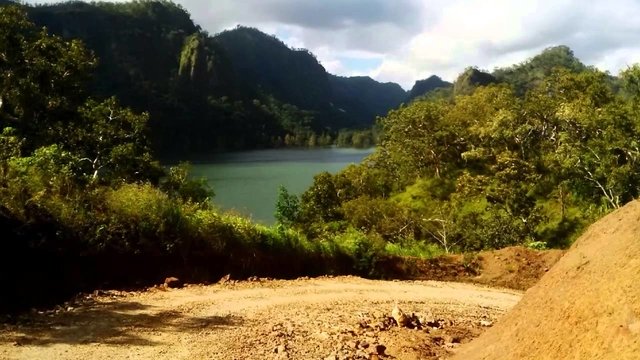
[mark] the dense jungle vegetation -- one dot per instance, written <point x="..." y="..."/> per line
<point x="529" y="154"/>
<point x="235" y="90"/>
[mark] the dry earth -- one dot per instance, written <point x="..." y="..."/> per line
<point x="586" y="307"/>
<point x="322" y="318"/>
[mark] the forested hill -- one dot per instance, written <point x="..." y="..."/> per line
<point x="423" y="87"/>
<point x="361" y="98"/>
<point x="241" y="88"/>
<point x="527" y="75"/>
<point x="238" y="89"/>
<point x="521" y="77"/>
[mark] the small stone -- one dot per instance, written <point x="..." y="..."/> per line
<point x="486" y="323"/>
<point x="225" y="279"/>
<point x="280" y="349"/>
<point x="399" y="316"/>
<point x="450" y="339"/>
<point x="172" y="282"/>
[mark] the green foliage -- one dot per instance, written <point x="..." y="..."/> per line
<point x="113" y="143"/>
<point x="427" y="87"/>
<point x="41" y="80"/>
<point x="365" y="250"/>
<point x="321" y="201"/>
<point x="358" y="100"/>
<point x="470" y="79"/>
<point x="529" y="74"/>
<point x="416" y="249"/>
<point x="494" y="167"/>
<point x="360" y="139"/>
<point x="178" y="184"/>
<point x="238" y="89"/>
<point x="381" y="216"/>
<point x="537" y="245"/>
<point x="287" y="207"/>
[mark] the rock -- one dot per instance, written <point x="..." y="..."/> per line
<point x="353" y="344"/>
<point x="452" y="339"/>
<point x="280" y="349"/>
<point x="172" y="283"/>
<point x="399" y="316"/>
<point x="380" y="349"/>
<point x="225" y="279"/>
<point x="486" y="323"/>
<point x="435" y="324"/>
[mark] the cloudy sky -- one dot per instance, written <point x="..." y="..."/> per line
<point x="406" y="40"/>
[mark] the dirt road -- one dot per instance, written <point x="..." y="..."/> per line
<point x="324" y="318"/>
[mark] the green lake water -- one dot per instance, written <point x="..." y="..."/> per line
<point x="247" y="182"/>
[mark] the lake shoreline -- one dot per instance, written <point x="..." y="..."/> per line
<point x="247" y="182"/>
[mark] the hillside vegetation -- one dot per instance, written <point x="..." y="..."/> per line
<point x="489" y="167"/>
<point x="529" y="155"/>
<point x="234" y="90"/>
<point x="83" y="202"/>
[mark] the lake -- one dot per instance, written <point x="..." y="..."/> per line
<point x="247" y="182"/>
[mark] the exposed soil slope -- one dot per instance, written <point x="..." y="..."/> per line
<point x="586" y="307"/>
<point x="334" y="318"/>
<point x="514" y="267"/>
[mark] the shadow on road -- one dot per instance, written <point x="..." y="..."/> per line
<point x="112" y="323"/>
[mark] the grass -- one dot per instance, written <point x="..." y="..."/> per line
<point x="414" y="249"/>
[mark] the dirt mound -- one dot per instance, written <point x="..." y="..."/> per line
<point x="513" y="267"/>
<point x="586" y="307"/>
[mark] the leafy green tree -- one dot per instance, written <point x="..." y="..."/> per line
<point x="113" y="143"/>
<point x="529" y="74"/>
<point x="42" y="79"/>
<point x="320" y="201"/>
<point x="178" y="184"/>
<point x="287" y="207"/>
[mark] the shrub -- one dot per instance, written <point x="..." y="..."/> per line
<point x="414" y="249"/>
<point x="145" y="218"/>
<point x="365" y="250"/>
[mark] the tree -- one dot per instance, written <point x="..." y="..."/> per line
<point x="287" y="207"/>
<point x="320" y="201"/>
<point x="41" y="79"/>
<point x="113" y="143"/>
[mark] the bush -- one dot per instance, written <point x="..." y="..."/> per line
<point x="414" y="249"/>
<point x="537" y="245"/>
<point x="365" y="250"/>
<point x="378" y="215"/>
<point x="143" y="218"/>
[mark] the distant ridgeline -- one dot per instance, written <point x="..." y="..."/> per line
<point x="238" y="89"/>
<point x="241" y="88"/>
